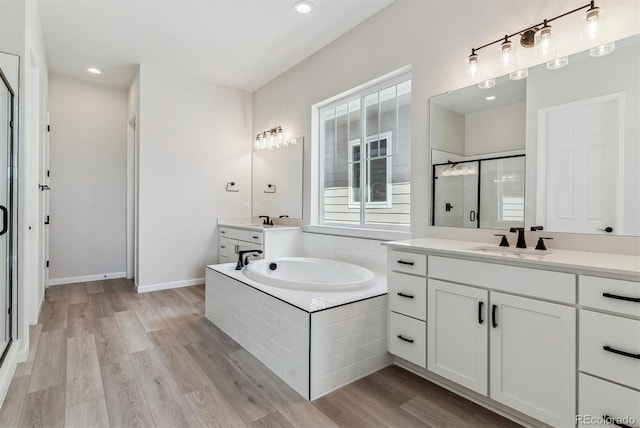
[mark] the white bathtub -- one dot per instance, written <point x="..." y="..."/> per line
<point x="308" y="274"/>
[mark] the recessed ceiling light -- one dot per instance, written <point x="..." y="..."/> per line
<point x="93" y="70"/>
<point x="490" y="98"/>
<point x="303" y="6"/>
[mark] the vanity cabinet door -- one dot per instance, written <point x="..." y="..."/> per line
<point x="533" y="357"/>
<point x="457" y="334"/>
<point x="224" y="250"/>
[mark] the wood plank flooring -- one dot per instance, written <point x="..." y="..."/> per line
<point x="103" y="355"/>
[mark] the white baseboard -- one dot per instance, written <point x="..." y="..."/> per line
<point x="97" y="277"/>
<point x="169" y="285"/>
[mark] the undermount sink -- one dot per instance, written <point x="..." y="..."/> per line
<point x="511" y="251"/>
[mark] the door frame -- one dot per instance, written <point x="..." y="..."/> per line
<point x="541" y="182"/>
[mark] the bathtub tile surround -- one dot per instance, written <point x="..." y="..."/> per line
<point x="368" y="253"/>
<point x="314" y="341"/>
<point x="503" y="328"/>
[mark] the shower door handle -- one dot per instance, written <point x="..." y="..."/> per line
<point x="5" y="219"/>
<point x="472" y="216"/>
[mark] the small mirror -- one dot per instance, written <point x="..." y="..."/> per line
<point x="277" y="180"/>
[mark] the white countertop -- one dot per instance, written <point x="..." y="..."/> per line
<point x="309" y="301"/>
<point x="581" y="261"/>
<point x="257" y="227"/>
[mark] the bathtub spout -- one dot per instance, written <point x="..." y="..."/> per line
<point x="242" y="262"/>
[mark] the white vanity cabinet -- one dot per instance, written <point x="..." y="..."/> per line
<point x="549" y="338"/>
<point x="609" y="353"/>
<point x="273" y="241"/>
<point x="407" y="291"/>
<point x="520" y="351"/>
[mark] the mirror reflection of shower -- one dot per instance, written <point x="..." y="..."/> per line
<point x="481" y="193"/>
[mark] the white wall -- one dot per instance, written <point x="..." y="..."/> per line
<point x="434" y="38"/>
<point x="195" y="136"/>
<point x="88" y="173"/>
<point x="496" y="130"/>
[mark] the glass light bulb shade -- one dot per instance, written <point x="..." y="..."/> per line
<point x="544" y="42"/>
<point x="472" y="68"/>
<point x="507" y="55"/>
<point x="257" y="144"/>
<point x="602" y="50"/>
<point x="486" y="84"/>
<point x="592" y="24"/>
<point x="519" y="74"/>
<point x="557" y="63"/>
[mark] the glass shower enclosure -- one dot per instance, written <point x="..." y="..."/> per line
<point x="8" y="215"/>
<point x="483" y="193"/>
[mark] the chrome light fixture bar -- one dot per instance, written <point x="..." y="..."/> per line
<point x="541" y="36"/>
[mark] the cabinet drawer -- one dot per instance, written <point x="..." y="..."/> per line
<point x="256" y="256"/>
<point x="401" y="261"/>
<point x="618" y="334"/>
<point x="224" y="232"/>
<point x="610" y="294"/>
<point x="407" y="338"/>
<point x="544" y="284"/>
<point x="239" y="234"/>
<point x="255" y="237"/>
<point x="408" y="294"/>
<point x="599" y="398"/>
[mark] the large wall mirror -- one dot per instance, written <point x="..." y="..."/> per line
<point x="560" y="149"/>
<point x="277" y="180"/>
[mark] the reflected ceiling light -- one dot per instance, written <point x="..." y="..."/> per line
<point x="490" y="98"/>
<point x="303" y="6"/>
<point x="541" y="36"/>
<point x="486" y="84"/>
<point x="519" y="74"/>
<point x="603" y="49"/>
<point x="94" y="70"/>
<point x="557" y="63"/>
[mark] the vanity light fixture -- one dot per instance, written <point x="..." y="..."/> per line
<point x="94" y="70"/>
<point x="303" y="7"/>
<point x="271" y="139"/>
<point x="541" y="36"/>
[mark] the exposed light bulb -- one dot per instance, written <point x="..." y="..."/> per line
<point x="94" y="70"/>
<point x="490" y="98"/>
<point x="592" y="26"/>
<point x="507" y="54"/>
<point x="557" y="63"/>
<point x="544" y="41"/>
<point x="472" y="70"/>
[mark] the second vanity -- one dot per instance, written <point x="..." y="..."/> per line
<point x="273" y="241"/>
<point x="543" y="337"/>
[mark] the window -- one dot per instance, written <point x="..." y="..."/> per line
<point x="365" y="141"/>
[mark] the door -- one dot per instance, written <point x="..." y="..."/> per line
<point x="533" y="357"/>
<point x="45" y="203"/>
<point x="457" y="334"/>
<point x="580" y="144"/>
<point x="8" y="195"/>
<point x="455" y="194"/>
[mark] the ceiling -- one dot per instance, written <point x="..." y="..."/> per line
<point x="237" y="43"/>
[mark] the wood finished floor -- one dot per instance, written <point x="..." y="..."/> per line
<point x="103" y="355"/>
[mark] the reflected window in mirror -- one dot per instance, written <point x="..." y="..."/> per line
<point x="365" y="143"/>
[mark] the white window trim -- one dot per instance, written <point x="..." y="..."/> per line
<point x="383" y="136"/>
<point x="385" y="232"/>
